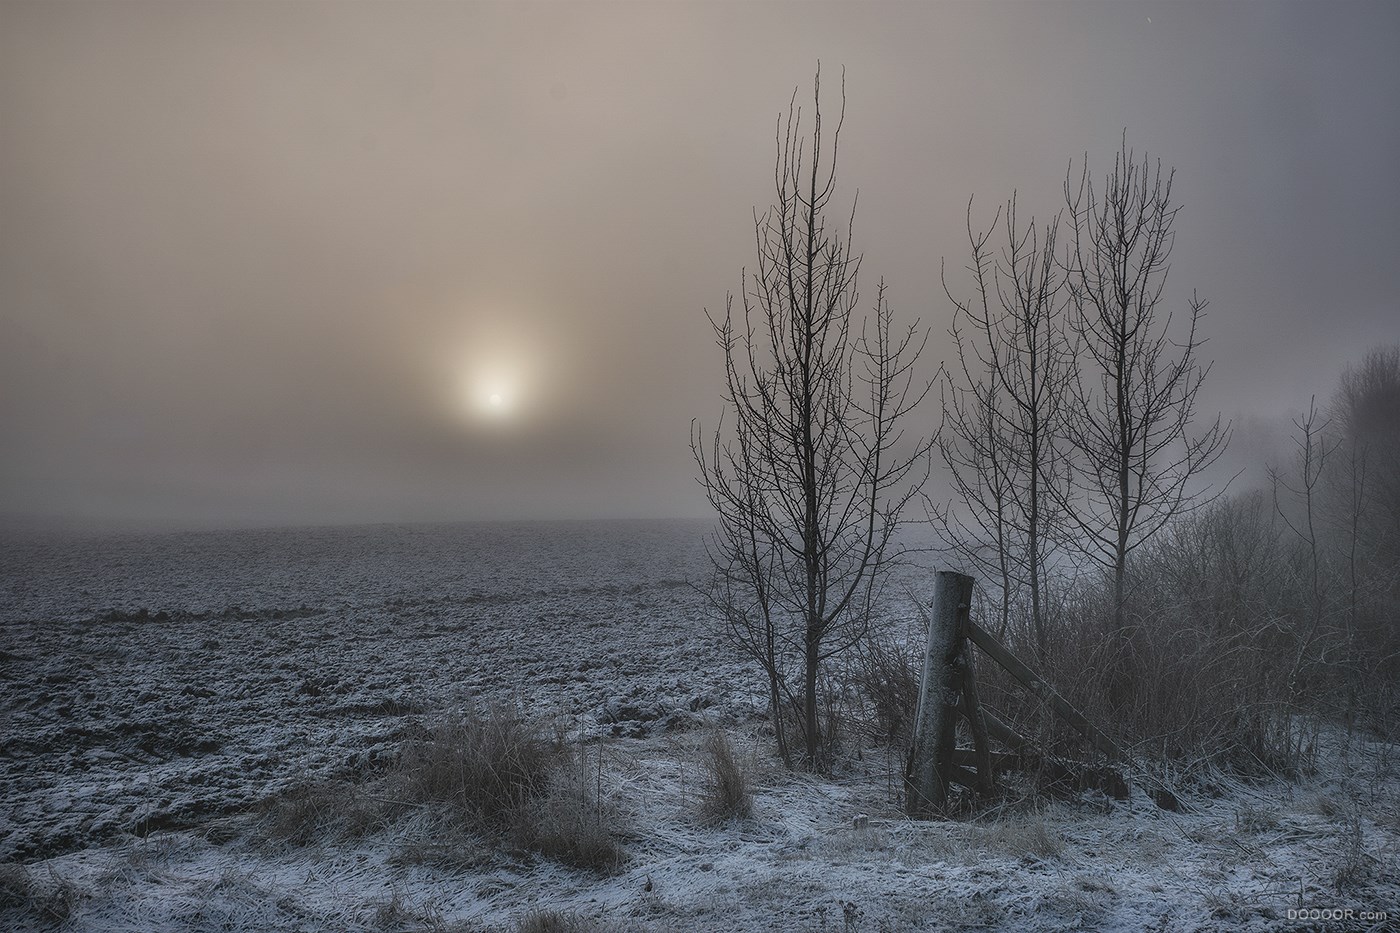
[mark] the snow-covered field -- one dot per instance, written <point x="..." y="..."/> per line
<point x="156" y="688"/>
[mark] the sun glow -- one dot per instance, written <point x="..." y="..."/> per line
<point x="498" y="368"/>
<point x="491" y="396"/>
<point x="498" y="402"/>
<point x="492" y="390"/>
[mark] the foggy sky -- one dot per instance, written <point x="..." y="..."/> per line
<point x="264" y="263"/>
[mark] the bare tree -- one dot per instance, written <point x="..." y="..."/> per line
<point x="1303" y="486"/>
<point x="812" y="472"/>
<point x="1366" y="413"/>
<point x="1003" y="409"/>
<point x="1138" y="456"/>
<point x="1361" y="500"/>
<point x="1314" y="451"/>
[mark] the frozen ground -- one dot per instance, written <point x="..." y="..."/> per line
<point x="154" y="689"/>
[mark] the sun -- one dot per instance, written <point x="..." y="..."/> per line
<point x="490" y="398"/>
<point x="496" y="400"/>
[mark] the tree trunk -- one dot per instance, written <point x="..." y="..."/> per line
<point x="812" y="723"/>
<point x="775" y="707"/>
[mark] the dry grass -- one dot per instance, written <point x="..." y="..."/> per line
<point x="1324" y="804"/>
<point x="1352" y="867"/>
<point x="498" y="770"/>
<point x="558" y="921"/>
<point x="16" y="886"/>
<point x="570" y="823"/>
<point x="427" y="838"/>
<point x="471" y="787"/>
<point x="487" y="764"/>
<point x="396" y="914"/>
<point x="728" y="793"/>
<point x="1029" y="833"/>
<point x="570" y="921"/>
<point x="884" y="671"/>
<point x="861" y="843"/>
<point x="47" y="900"/>
<point x="1253" y="820"/>
<point x="307" y="813"/>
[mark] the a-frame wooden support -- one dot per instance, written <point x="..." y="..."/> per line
<point x="948" y="690"/>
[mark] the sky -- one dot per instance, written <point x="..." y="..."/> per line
<point x="283" y="263"/>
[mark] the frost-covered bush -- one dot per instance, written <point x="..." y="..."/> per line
<point x="488" y="763"/>
<point x="489" y="778"/>
<point x="570" y="824"/>
<point x="884" y="671"/>
<point x="500" y="771"/>
<point x="1207" y="669"/>
<point x="728" y="790"/>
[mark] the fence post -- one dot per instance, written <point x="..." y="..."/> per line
<point x="926" y="778"/>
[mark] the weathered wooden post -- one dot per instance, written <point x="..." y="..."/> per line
<point x="930" y="756"/>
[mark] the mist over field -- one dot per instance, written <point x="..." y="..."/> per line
<point x="266" y="264"/>
<point x="590" y="467"/>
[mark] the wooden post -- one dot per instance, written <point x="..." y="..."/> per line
<point x="1004" y="733"/>
<point x="976" y="724"/>
<point x="930" y="756"/>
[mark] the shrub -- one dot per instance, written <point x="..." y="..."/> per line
<point x="885" y="672"/>
<point x="569" y="824"/>
<point x="498" y="770"/>
<point x="1208" y="669"/>
<point x="489" y="764"/>
<point x="728" y="791"/>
